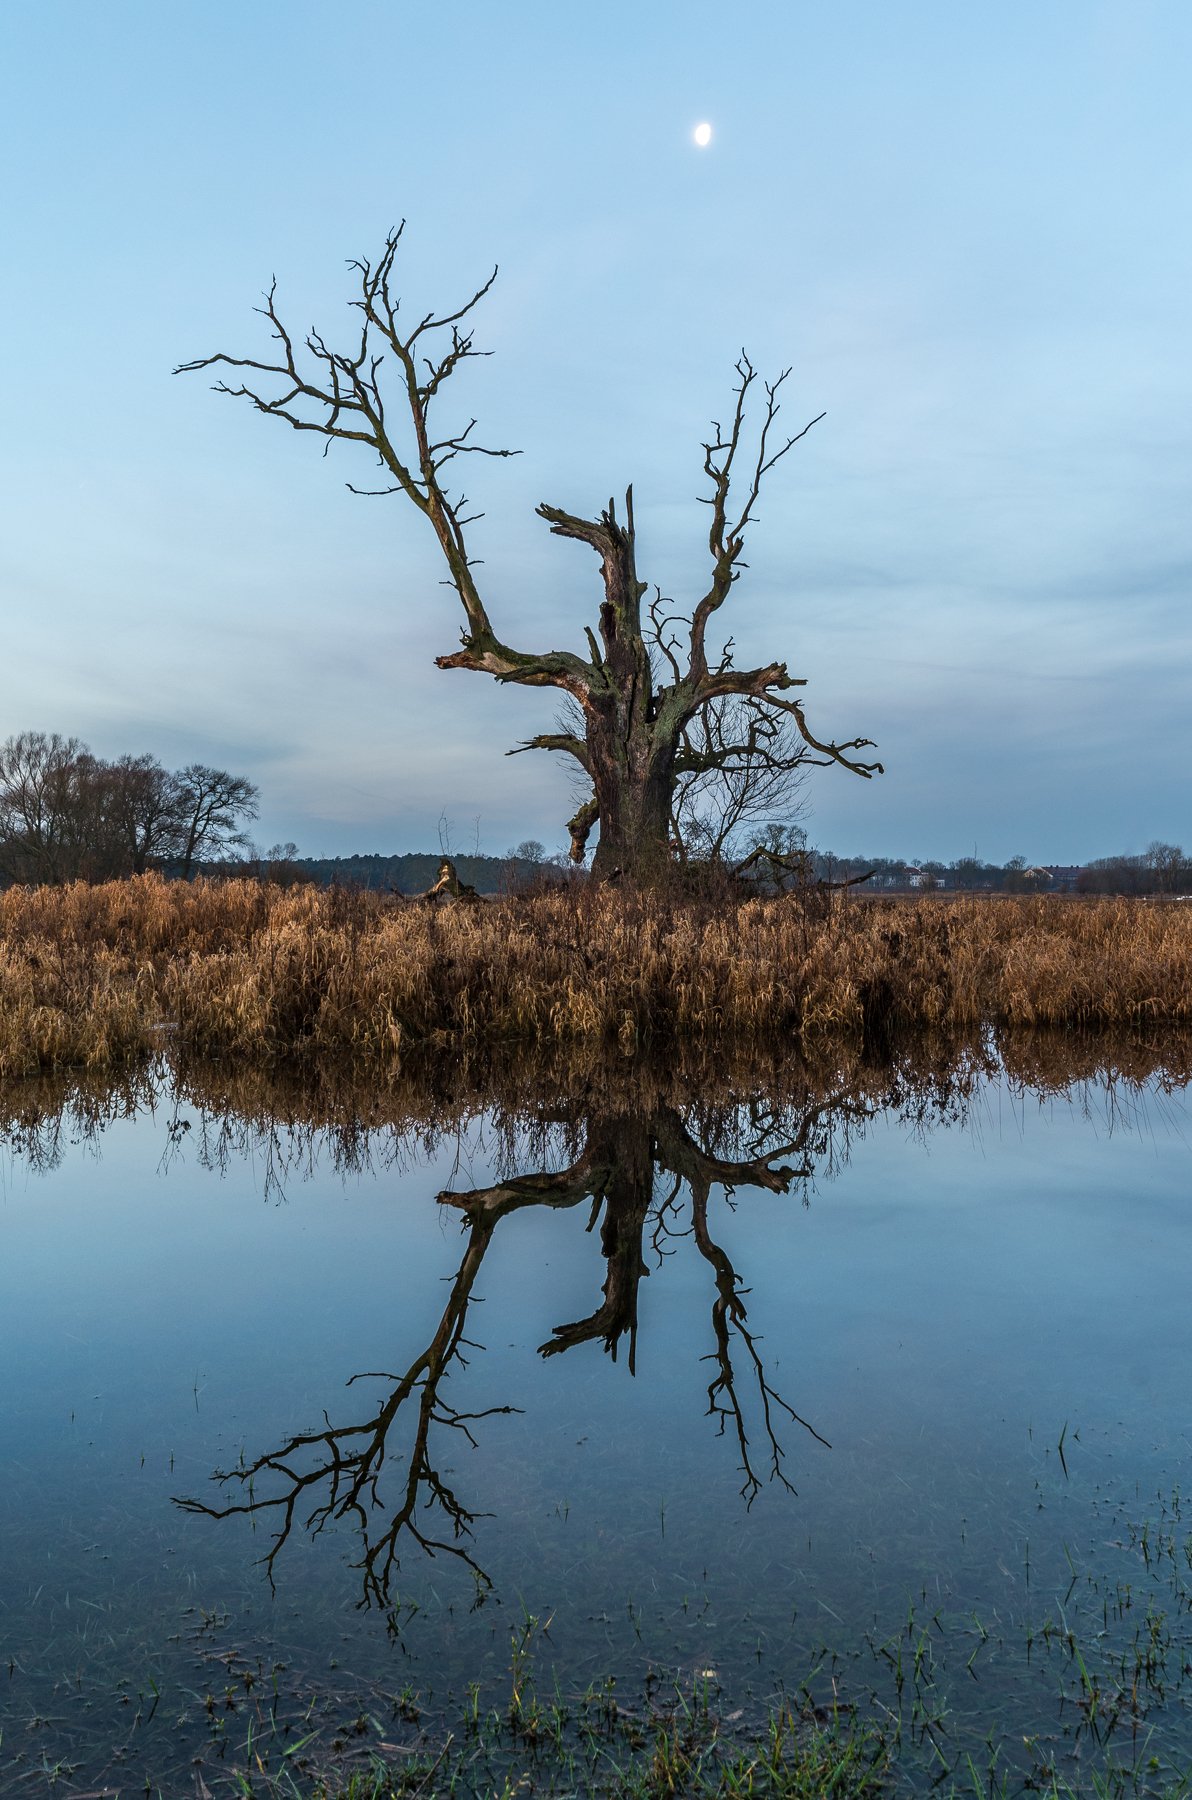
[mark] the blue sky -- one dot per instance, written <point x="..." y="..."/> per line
<point x="966" y="229"/>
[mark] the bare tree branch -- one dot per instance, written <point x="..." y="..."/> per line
<point x="342" y="398"/>
<point x="726" y="540"/>
<point x="557" y="740"/>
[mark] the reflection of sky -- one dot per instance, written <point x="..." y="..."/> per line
<point x="941" y="1310"/>
<point x="965" y="231"/>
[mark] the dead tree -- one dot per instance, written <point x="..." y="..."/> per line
<point x="383" y="393"/>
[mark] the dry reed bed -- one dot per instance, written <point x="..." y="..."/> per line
<point x="93" y="975"/>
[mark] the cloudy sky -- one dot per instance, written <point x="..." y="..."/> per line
<point x="965" y="228"/>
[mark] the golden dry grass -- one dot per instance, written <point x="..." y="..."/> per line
<point x="93" y="976"/>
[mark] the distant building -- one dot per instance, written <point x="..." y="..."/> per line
<point x="1063" y="877"/>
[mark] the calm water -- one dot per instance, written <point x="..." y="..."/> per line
<point x="879" y="1384"/>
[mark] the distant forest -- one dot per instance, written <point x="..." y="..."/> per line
<point x="1162" y="869"/>
<point x="416" y="871"/>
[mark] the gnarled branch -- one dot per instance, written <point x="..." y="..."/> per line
<point x="581" y="826"/>
<point x="726" y="538"/>
<point x="346" y="397"/>
<point x="565" y="741"/>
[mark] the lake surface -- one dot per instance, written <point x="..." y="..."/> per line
<point x="873" y="1384"/>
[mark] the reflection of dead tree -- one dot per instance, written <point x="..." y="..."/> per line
<point x="625" y="1153"/>
<point x="335" y="1473"/>
<point x="616" y="1172"/>
<point x="339" y="1468"/>
<point x="728" y="1317"/>
<point x="700" y="1169"/>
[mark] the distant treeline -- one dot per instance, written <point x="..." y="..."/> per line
<point x="417" y="871"/>
<point x="1161" y="869"/>
<point x="1164" y="869"/>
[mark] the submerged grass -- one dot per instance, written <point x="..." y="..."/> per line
<point x="95" y="976"/>
<point x="833" y="1737"/>
<point x="669" y="1742"/>
<point x="676" y="1749"/>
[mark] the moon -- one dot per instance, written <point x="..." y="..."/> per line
<point x="703" y="135"/>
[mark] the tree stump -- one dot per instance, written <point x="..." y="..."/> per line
<point x="449" y="886"/>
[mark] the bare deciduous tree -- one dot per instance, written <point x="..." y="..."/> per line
<point x="67" y="815"/>
<point x="384" y="394"/>
<point x="211" y="808"/>
<point x="740" y="768"/>
<point x="741" y="763"/>
<point x="41" y="780"/>
<point x="1168" y="864"/>
<point x="143" y="810"/>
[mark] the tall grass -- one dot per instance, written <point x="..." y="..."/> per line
<point x="95" y="976"/>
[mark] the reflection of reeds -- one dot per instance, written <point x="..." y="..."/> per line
<point x="91" y="975"/>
